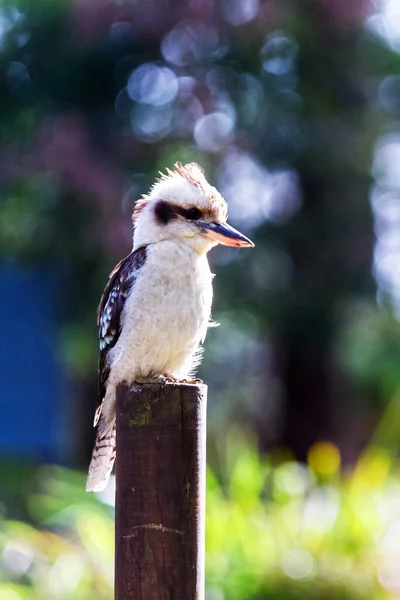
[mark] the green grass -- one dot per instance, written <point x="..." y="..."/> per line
<point x="275" y="530"/>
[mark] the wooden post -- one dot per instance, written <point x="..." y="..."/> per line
<point x="160" y="495"/>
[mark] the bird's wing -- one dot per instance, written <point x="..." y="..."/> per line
<point x="112" y="302"/>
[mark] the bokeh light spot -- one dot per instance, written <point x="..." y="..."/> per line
<point x="9" y="17"/>
<point x="293" y="478"/>
<point x="18" y="74"/>
<point x="386" y="22"/>
<point x="278" y="54"/>
<point x="389" y="93"/>
<point x="253" y="193"/>
<point x="324" y="458"/>
<point x="17" y="557"/>
<point x="214" y="131"/>
<point x="238" y="12"/>
<point x="178" y="45"/>
<point x="297" y="564"/>
<point x="190" y="42"/>
<point x="151" y="124"/>
<point x="321" y="509"/>
<point x="151" y="84"/>
<point x="385" y="201"/>
<point x="122" y="30"/>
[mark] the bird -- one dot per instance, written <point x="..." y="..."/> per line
<point x="156" y="307"/>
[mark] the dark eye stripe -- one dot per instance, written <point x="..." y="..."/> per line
<point x="165" y="212"/>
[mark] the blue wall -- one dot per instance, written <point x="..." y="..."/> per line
<point x="33" y="392"/>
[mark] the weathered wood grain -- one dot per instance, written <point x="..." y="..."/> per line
<point x="160" y="497"/>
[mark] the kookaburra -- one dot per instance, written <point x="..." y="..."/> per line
<point x="155" y="309"/>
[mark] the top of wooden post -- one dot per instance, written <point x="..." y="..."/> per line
<point x="160" y="402"/>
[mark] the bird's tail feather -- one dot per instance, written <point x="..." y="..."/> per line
<point x="103" y="458"/>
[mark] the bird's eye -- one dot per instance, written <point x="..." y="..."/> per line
<point x="193" y="214"/>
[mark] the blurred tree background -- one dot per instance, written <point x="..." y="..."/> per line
<point x="293" y="110"/>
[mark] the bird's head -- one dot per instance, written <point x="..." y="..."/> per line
<point x="183" y="206"/>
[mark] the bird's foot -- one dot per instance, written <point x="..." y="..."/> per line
<point x="166" y="379"/>
<point x="191" y="381"/>
<point x="160" y="379"/>
<point x="169" y="379"/>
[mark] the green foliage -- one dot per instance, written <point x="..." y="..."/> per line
<point x="274" y="530"/>
<point x="368" y="347"/>
<point x="297" y="531"/>
<point x="68" y="553"/>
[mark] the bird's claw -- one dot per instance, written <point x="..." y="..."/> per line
<point x="160" y="379"/>
<point x="166" y="379"/>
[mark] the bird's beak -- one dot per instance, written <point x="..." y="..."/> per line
<point x="225" y="234"/>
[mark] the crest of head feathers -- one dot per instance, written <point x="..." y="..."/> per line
<point x="190" y="173"/>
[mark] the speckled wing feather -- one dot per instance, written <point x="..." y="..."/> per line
<point x="112" y="302"/>
<point x="110" y="310"/>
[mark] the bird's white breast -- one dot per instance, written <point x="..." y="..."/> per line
<point x="166" y="315"/>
